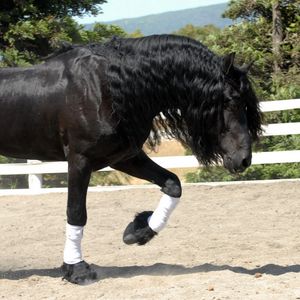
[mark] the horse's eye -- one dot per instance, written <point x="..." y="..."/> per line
<point x="235" y="94"/>
<point x="235" y="105"/>
<point x="231" y="93"/>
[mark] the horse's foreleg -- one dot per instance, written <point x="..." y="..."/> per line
<point x="74" y="268"/>
<point x="147" y="224"/>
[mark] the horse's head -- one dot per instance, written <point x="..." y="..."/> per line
<point x="225" y="121"/>
<point x="210" y="107"/>
<point x="241" y="117"/>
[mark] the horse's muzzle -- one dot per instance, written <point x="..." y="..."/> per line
<point x="238" y="163"/>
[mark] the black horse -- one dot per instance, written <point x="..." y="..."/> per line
<point x="96" y="105"/>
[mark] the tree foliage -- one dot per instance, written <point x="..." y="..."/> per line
<point x="12" y="11"/>
<point x="30" y="30"/>
<point x="199" y="33"/>
<point x="27" y="42"/>
<point x="27" y="25"/>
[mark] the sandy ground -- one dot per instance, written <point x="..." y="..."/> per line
<point x="225" y="242"/>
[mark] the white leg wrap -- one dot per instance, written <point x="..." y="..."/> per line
<point x="72" y="252"/>
<point x="160" y="216"/>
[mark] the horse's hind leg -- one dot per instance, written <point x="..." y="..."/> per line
<point x="147" y="224"/>
<point x="74" y="268"/>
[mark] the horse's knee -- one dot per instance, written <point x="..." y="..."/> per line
<point x="172" y="187"/>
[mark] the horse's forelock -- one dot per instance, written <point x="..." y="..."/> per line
<point x="241" y="81"/>
<point x="254" y="116"/>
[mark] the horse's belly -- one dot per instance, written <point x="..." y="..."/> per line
<point x="44" y="151"/>
<point x="32" y="153"/>
<point x="28" y="139"/>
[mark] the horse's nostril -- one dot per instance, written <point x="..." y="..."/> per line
<point x="246" y="162"/>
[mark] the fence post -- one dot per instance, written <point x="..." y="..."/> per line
<point x="35" y="181"/>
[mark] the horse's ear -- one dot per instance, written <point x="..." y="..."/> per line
<point x="228" y="62"/>
<point x="246" y="67"/>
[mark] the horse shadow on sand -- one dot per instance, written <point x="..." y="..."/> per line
<point x="158" y="269"/>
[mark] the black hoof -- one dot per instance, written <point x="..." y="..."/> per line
<point x="80" y="273"/>
<point x="138" y="231"/>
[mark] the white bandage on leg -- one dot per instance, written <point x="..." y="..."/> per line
<point x="72" y="252"/>
<point x="160" y="216"/>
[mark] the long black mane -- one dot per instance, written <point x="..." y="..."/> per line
<point x="179" y="75"/>
<point x="176" y="84"/>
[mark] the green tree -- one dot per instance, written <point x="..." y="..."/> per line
<point x="135" y="34"/>
<point x="101" y="32"/>
<point x="280" y="22"/>
<point x="35" y="12"/>
<point x="12" y="11"/>
<point x="198" y="33"/>
<point x="29" y="37"/>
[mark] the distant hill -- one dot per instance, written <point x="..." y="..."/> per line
<point x="171" y="21"/>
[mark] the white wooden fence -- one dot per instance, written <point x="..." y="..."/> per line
<point x="35" y="168"/>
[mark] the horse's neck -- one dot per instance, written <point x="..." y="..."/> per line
<point x="145" y="84"/>
<point x="156" y="83"/>
<point x="139" y="86"/>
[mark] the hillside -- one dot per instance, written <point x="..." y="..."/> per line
<point x="171" y="21"/>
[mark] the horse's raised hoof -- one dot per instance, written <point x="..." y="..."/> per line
<point x="138" y="231"/>
<point x="80" y="273"/>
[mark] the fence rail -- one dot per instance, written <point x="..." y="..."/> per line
<point x="268" y="106"/>
<point x="34" y="168"/>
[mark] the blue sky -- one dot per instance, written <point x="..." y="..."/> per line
<point x="118" y="9"/>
